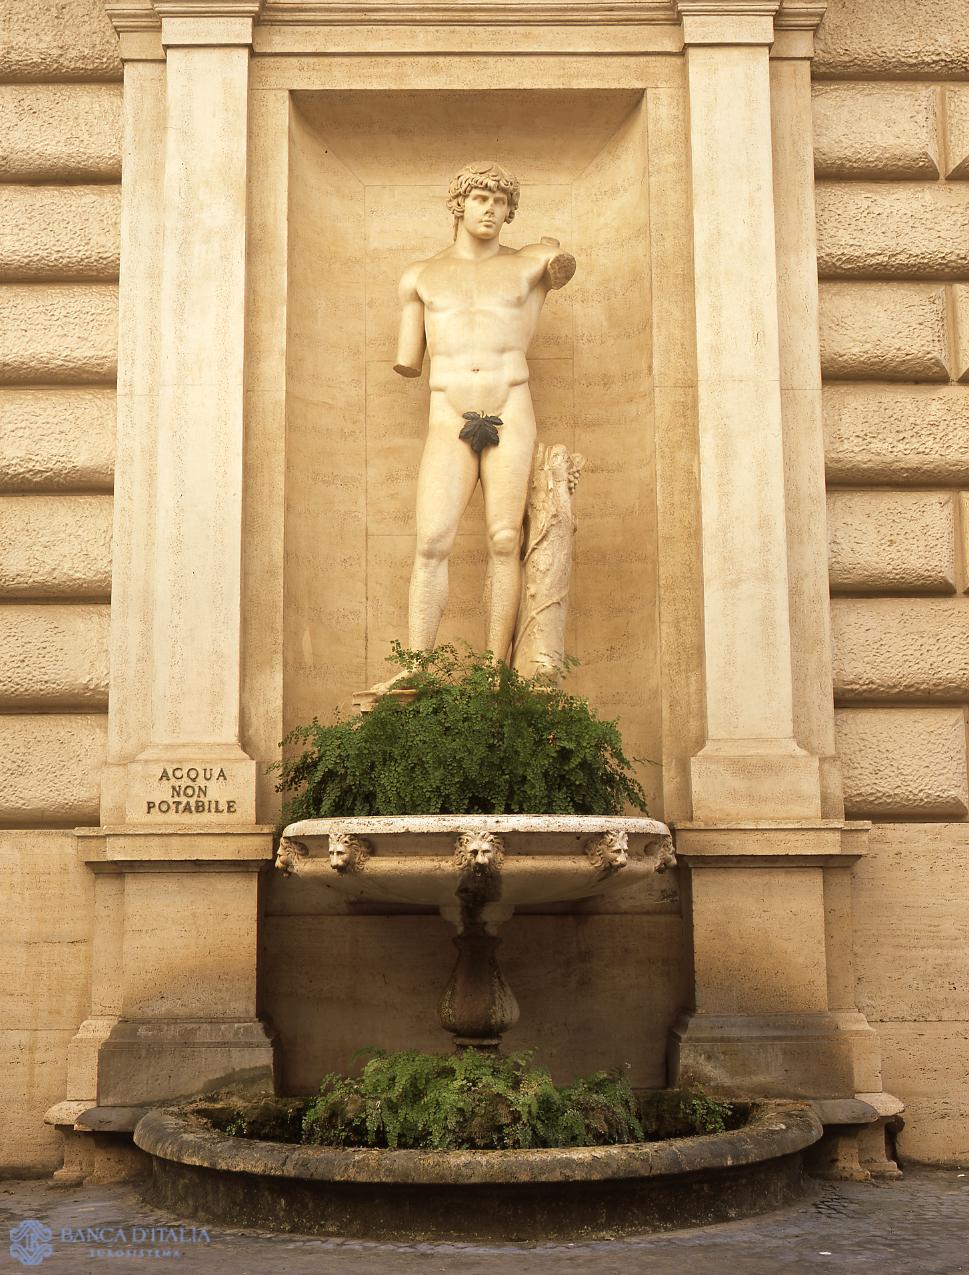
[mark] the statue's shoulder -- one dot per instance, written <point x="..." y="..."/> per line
<point x="411" y="276"/>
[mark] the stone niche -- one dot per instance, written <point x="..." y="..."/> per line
<point x="367" y="179"/>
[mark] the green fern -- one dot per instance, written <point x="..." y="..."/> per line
<point x="477" y="739"/>
<point x="468" y="1100"/>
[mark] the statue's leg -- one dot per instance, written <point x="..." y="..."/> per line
<point x="505" y="472"/>
<point x="445" y="483"/>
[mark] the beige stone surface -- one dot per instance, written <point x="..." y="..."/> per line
<point x="758" y="940"/>
<point x="885" y="230"/>
<point x="587" y="987"/>
<point x="891" y="542"/>
<point x="46" y="915"/>
<point x="33" y="1067"/>
<point x="52" y="439"/>
<point x="135" y="464"/>
<point x="53" y="657"/>
<point x="59" y="232"/>
<point x="956" y="99"/>
<point x="51" y="769"/>
<point x="911" y="924"/>
<point x="896" y="434"/>
<point x="903" y="762"/>
<point x="964" y="537"/>
<point x="900" y="648"/>
<point x="889" y="40"/>
<point x="190" y="947"/>
<point x="58" y="334"/>
<point x="60" y="132"/>
<point x="960" y="307"/>
<point x="55" y="546"/>
<point x="875" y="130"/>
<point x="893" y="332"/>
<point x="58" y="40"/>
<point x="747" y="657"/>
<point x="924" y="1064"/>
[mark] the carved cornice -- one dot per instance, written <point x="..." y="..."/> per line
<point x="436" y="13"/>
<point x="208" y="8"/>
<point x="800" y="15"/>
<point x="130" y="15"/>
<point x="727" y="8"/>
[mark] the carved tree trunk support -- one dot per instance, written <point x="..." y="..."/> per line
<point x="477" y="1005"/>
<point x="539" y="645"/>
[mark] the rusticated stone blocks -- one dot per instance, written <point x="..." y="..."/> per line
<point x="892" y="332"/>
<point x="60" y="232"/>
<point x="901" y="648"/>
<point x="52" y="439"/>
<point x="896" y="434"/>
<point x="57" y="40"/>
<point x="58" y="334"/>
<point x="52" y="768"/>
<point x="55" y="546"/>
<point x="875" y="130"/>
<point x="53" y="657"/>
<point x="58" y="132"/>
<point x="956" y="131"/>
<point x="891" y="542"/>
<point x="893" y="38"/>
<point x="901" y="230"/>
<point x="905" y="762"/>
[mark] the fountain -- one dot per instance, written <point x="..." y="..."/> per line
<point x="474" y="307"/>
<point x="476" y="869"/>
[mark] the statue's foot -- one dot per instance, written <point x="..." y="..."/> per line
<point x="363" y="701"/>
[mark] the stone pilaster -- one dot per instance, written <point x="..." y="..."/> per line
<point x="750" y="765"/>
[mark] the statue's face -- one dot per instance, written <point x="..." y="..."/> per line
<point x="485" y="212"/>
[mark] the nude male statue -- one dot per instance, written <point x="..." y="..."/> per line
<point x="474" y="308"/>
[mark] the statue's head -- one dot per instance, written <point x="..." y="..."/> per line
<point x="475" y="194"/>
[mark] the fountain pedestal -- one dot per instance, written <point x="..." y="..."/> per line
<point x="476" y="869"/>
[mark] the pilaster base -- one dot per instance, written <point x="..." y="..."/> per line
<point x="755" y="785"/>
<point x="763" y="1055"/>
<point x="155" y="1060"/>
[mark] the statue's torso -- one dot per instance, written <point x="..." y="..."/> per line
<point x="479" y="317"/>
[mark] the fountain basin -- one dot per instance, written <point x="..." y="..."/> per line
<point x="442" y="860"/>
<point x="476" y="869"/>
<point x="546" y="1194"/>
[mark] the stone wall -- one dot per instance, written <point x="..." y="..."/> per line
<point x="60" y="172"/>
<point x="892" y="160"/>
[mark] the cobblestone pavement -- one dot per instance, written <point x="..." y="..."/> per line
<point x="919" y="1226"/>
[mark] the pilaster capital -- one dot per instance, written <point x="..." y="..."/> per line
<point x="749" y="22"/>
<point x="800" y="15"/>
<point x="209" y="22"/>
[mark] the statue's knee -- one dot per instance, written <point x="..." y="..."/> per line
<point x="433" y="550"/>
<point x="504" y="542"/>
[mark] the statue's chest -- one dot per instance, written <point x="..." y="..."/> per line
<point x="465" y="285"/>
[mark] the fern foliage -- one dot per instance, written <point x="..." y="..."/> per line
<point x="469" y="1101"/>
<point x="477" y="738"/>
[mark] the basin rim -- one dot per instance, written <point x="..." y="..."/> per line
<point x="775" y="1129"/>
<point x="376" y="825"/>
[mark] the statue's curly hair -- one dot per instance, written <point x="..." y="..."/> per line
<point x="483" y="175"/>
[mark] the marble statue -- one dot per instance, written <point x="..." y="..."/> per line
<point x="473" y="308"/>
